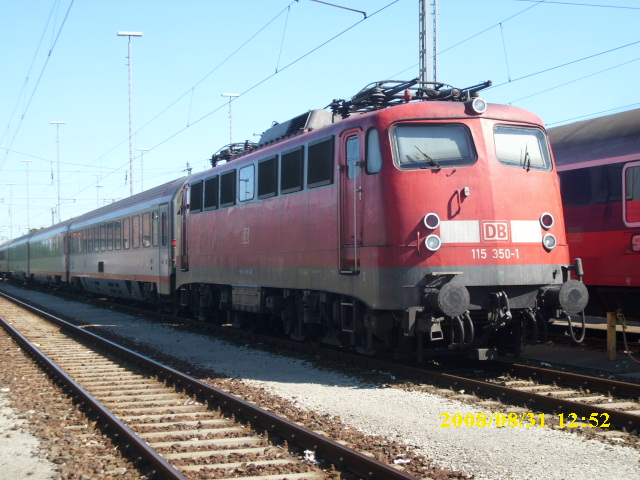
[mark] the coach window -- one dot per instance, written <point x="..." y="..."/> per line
<point x="522" y="147"/>
<point x="211" y="193"/>
<point x="146" y="230"/>
<point x="135" y="231"/>
<point x="126" y="233"/>
<point x="154" y="228"/>
<point x="195" y="201"/>
<point x="430" y="146"/>
<point x="291" y="170"/>
<point x="632" y="194"/>
<point x="320" y="163"/>
<point x="228" y="189"/>
<point x="96" y="239"/>
<point x="246" y="181"/>
<point x="89" y="234"/>
<point x="268" y="177"/>
<point x="117" y="230"/>
<point x="110" y="236"/>
<point x="373" y="155"/>
<point x="103" y="237"/>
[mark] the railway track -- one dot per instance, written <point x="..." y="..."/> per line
<point x="180" y="426"/>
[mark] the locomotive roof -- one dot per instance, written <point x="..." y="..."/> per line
<point x="603" y="137"/>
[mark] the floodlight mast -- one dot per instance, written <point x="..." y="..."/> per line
<point x="130" y="34"/>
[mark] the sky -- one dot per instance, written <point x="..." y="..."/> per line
<point x="62" y="61"/>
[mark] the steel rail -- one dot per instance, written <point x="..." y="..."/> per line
<point x="162" y="468"/>
<point x="342" y="457"/>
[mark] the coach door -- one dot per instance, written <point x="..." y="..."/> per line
<point x="351" y="204"/>
<point x="184" y="217"/>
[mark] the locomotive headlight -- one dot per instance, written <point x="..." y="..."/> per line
<point x="431" y="221"/>
<point x="547" y="220"/>
<point x="432" y="242"/>
<point x="549" y="241"/>
<point x="479" y="105"/>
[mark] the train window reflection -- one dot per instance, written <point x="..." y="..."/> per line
<point x="373" y="155"/>
<point x="135" y="239"/>
<point x="632" y="194"/>
<point x="245" y="183"/>
<point x="522" y="147"/>
<point x="430" y="146"/>
<point x="146" y="230"/>
<point x="126" y="233"/>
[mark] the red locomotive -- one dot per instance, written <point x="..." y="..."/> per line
<point x="599" y="166"/>
<point x="409" y="217"/>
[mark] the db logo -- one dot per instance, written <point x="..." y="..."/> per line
<point x="495" y="231"/>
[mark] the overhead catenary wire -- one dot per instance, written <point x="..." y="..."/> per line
<point x="191" y="124"/>
<point x="35" y="88"/>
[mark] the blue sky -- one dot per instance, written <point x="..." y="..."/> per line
<point x="62" y="61"/>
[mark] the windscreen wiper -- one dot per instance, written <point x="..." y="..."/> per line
<point x="431" y="161"/>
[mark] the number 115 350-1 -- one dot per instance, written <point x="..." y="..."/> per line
<point x="494" y="253"/>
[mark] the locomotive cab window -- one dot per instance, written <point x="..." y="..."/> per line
<point x="268" y="177"/>
<point x="246" y="183"/>
<point x="432" y="146"/>
<point x="522" y="147"/>
<point x="320" y="163"/>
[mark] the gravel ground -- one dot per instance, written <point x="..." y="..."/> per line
<point x="410" y="417"/>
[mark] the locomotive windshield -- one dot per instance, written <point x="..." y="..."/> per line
<point x="522" y="147"/>
<point x="432" y="146"/>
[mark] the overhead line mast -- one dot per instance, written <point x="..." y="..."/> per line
<point x="423" y="28"/>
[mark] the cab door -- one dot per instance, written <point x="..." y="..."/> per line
<point x="351" y="201"/>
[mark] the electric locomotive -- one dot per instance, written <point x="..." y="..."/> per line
<point x="599" y="167"/>
<point x="412" y="216"/>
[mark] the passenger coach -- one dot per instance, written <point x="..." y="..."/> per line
<point x="599" y="165"/>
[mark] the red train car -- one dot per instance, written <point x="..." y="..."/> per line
<point x="599" y="165"/>
<point x="406" y="218"/>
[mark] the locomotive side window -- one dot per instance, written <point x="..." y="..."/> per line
<point x="228" y="189"/>
<point x="146" y="230"/>
<point x="211" y="193"/>
<point x="117" y="230"/>
<point x="522" y="147"/>
<point x="195" y="201"/>
<point x="632" y="194"/>
<point x="291" y="170"/>
<point x="320" y="163"/>
<point x="135" y="228"/>
<point x="246" y="181"/>
<point x="431" y="146"/>
<point x="126" y="233"/>
<point x="373" y="154"/>
<point x="268" y="177"/>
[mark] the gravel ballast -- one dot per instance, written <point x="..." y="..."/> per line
<point x="410" y="417"/>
